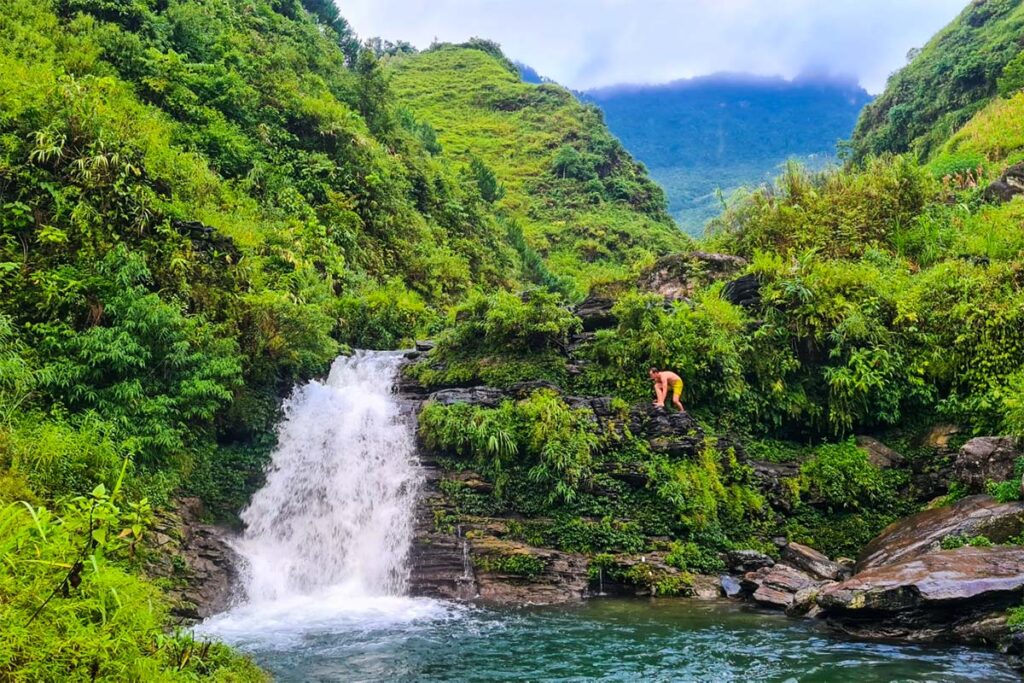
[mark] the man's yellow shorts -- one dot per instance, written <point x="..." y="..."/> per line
<point x="677" y="388"/>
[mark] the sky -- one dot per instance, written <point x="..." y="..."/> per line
<point x="593" y="43"/>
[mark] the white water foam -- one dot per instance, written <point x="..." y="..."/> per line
<point x="337" y="508"/>
<point x="327" y="538"/>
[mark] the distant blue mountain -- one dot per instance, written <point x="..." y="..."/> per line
<point x="726" y="131"/>
<point x="529" y="74"/>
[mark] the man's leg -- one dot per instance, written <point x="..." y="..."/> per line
<point x="676" y="390"/>
<point x="659" y="392"/>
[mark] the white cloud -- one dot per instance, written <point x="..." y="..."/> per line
<point x="590" y="43"/>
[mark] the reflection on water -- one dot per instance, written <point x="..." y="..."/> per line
<point x="334" y="637"/>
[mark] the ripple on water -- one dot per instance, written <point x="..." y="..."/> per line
<point x="334" y="636"/>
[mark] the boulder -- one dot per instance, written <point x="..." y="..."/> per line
<point x="667" y="431"/>
<point x="987" y="458"/>
<point x="775" y="480"/>
<point x="485" y="397"/>
<point x="743" y="561"/>
<point x="1007" y="186"/>
<point x="744" y="291"/>
<point x="595" y="312"/>
<point x="938" y="437"/>
<point x="923" y="532"/>
<point x="804" y="602"/>
<point x="776" y="586"/>
<point x="706" y="587"/>
<point x="812" y="562"/>
<point x="678" y="276"/>
<point x="944" y="594"/>
<point x="879" y="454"/>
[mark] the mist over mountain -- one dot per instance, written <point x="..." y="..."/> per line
<point x="725" y="131"/>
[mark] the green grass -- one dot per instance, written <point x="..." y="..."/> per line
<point x="949" y="80"/>
<point x="595" y="227"/>
<point x="994" y="136"/>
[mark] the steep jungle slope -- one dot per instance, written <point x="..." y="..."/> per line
<point x="201" y="204"/>
<point x="976" y="57"/>
<point x="582" y="202"/>
<point x="823" y="314"/>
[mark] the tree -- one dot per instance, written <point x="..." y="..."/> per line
<point x="329" y="15"/>
<point x="491" y="190"/>
<point x="374" y="95"/>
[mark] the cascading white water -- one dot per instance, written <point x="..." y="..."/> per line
<point x="336" y="512"/>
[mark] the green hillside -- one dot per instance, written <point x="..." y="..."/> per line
<point x="888" y="302"/>
<point x="976" y="57"/>
<point x="202" y="204"/>
<point x="584" y="205"/>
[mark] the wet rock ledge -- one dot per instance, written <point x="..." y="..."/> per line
<point x="195" y="559"/>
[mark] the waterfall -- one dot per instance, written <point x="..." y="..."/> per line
<point x="337" y="508"/>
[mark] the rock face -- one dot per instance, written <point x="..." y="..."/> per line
<point x="743" y="561"/>
<point x="775" y="481"/>
<point x="987" y="458"/>
<point x="669" y="432"/>
<point x="879" y="454"/>
<point x="947" y="594"/>
<point x="776" y="586"/>
<point x="563" y="578"/>
<point x="812" y="562"/>
<point x="197" y="559"/>
<point x="922" y="533"/>
<point x="678" y="276"/>
<point x="744" y="291"/>
<point x="1008" y="186"/>
<point x="438" y="560"/>
<point x="595" y="312"/>
<point x="485" y="397"/>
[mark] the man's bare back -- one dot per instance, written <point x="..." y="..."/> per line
<point x="663" y="379"/>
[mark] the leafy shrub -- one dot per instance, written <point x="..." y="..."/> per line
<point x="109" y="623"/>
<point x="385" y="318"/>
<point x="154" y="374"/>
<point x="518" y="564"/>
<point x="60" y="459"/>
<point x="540" y="435"/>
<point x="689" y="556"/>
<point x="1016" y="619"/>
<point x="575" y="534"/>
<point x="841" y="476"/>
<point x="704" y="496"/>
<point x="1012" y="79"/>
<point x="956" y="541"/>
<point x="501" y="339"/>
<point x="1004" y="491"/>
<point x="842" y="533"/>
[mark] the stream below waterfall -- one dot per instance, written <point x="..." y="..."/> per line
<point x="325" y="552"/>
<point x="331" y="638"/>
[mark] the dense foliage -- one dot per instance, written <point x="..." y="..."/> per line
<point x="946" y="82"/>
<point x="888" y="299"/>
<point x="201" y="204"/>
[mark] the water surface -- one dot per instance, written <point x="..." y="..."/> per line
<point x="336" y="637"/>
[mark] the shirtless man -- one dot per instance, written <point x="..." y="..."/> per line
<point x="662" y="381"/>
